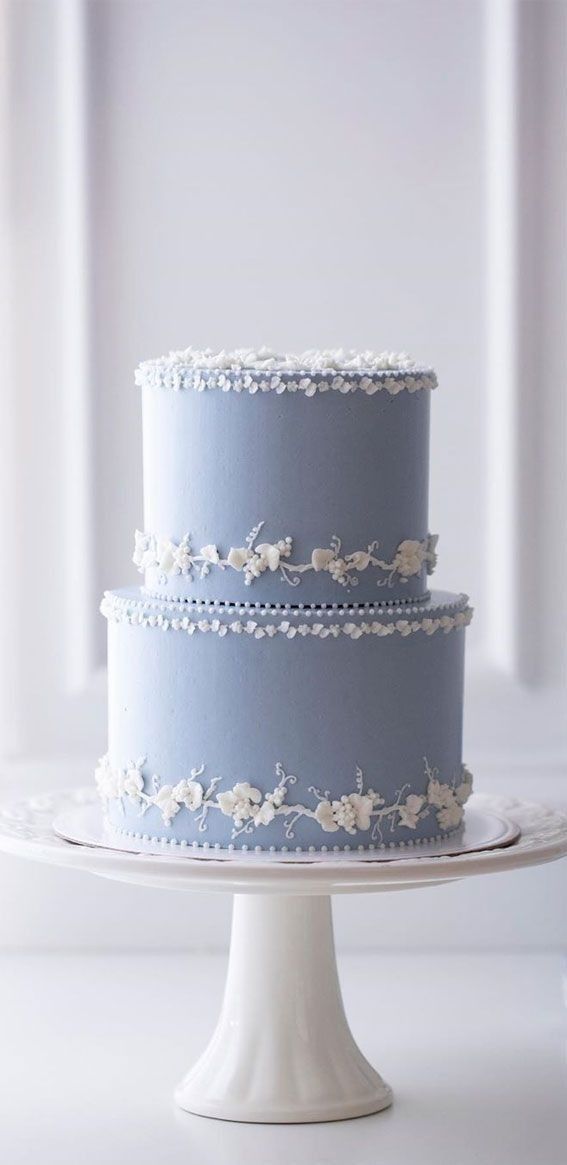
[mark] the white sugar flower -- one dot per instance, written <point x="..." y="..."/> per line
<point x="181" y="555"/>
<point x="255" y="566"/>
<point x="226" y="802"/>
<point x="325" y="816"/>
<point x="240" y="801"/>
<point x="464" y="790"/>
<point x="375" y="798"/>
<point x="450" y="815"/>
<point x="238" y="556"/>
<point x="284" y="546"/>
<point x="431" y="552"/>
<point x="144" y="556"/>
<point x="270" y="554"/>
<point x="189" y="793"/>
<point x="165" y="555"/>
<point x="337" y="569"/>
<point x="140" y="546"/>
<point x="438" y="794"/>
<point x="320" y="558"/>
<point x="277" y="796"/>
<point x="210" y="553"/>
<point x="409" y="557"/>
<point x="350" y="812"/>
<point x="344" y="814"/>
<point x="362" y="805"/>
<point x="165" y="800"/>
<point x="409" y="812"/>
<point x="359" y="560"/>
<point x="110" y="782"/>
<point x="265" y="814"/>
<point x="245" y="789"/>
<point x="133" y="783"/>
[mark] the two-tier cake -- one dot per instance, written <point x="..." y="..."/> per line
<point x="283" y="679"/>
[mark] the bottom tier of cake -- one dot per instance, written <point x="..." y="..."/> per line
<point x="285" y="728"/>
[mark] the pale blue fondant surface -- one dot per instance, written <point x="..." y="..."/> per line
<point x="353" y="465"/>
<point x="321" y="707"/>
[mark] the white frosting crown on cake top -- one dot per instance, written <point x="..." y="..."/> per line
<point x="266" y="359"/>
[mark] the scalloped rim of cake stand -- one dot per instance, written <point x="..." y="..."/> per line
<point x="26" y="829"/>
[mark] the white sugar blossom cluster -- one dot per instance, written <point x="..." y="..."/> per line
<point x="170" y="559"/>
<point x="360" y="811"/>
<point x="266" y="359"/>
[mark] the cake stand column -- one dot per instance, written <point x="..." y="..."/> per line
<point x="282" y="1050"/>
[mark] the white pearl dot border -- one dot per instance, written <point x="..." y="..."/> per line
<point x="291" y="852"/>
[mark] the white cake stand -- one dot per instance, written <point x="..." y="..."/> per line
<point x="282" y="1050"/>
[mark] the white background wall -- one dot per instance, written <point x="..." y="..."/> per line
<point x="383" y="173"/>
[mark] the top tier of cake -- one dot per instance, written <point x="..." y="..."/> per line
<point x="278" y="479"/>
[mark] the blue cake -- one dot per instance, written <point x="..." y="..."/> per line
<point x="283" y="679"/>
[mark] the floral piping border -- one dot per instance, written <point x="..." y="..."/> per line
<point x="154" y="374"/>
<point x="171" y="559"/>
<point x="124" y="610"/>
<point x="361" y="811"/>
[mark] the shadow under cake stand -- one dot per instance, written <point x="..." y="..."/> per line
<point x="282" y="1051"/>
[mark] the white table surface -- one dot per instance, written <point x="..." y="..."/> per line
<point x="91" y="1047"/>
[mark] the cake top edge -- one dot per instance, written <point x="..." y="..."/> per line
<point x="344" y="368"/>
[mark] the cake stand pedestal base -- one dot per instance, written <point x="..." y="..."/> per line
<point x="282" y="1050"/>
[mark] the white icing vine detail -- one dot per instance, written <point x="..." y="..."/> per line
<point x="119" y="611"/>
<point x="151" y="551"/>
<point x="361" y="811"/>
<point x="245" y="370"/>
